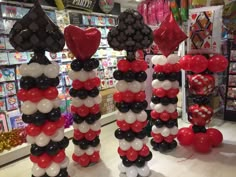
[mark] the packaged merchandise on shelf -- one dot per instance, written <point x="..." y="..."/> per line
<point x="3" y="122"/>
<point x="8" y="24"/>
<point x="18" y="58"/>
<point x="63" y="19"/>
<point x="2" y="42"/>
<point x="7" y="44"/>
<point x="8" y="74"/>
<point x="2" y="27"/>
<point x="4" y="59"/>
<point x="2" y="90"/>
<point x="14" y="120"/>
<point x="11" y="103"/>
<point x="11" y="11"/>
<point x="10" y="88"/>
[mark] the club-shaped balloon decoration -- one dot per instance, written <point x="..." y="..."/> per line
<point x="85" y="94"/>
<point x="131" y="34"/>
<point x="164" y="113"/>
<point x="201" y="84"/>
<point x="40" y="108"/>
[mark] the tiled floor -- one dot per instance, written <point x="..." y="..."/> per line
<point x="182" y="162"/>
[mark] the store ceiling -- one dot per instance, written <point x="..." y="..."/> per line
<point x="128" y="3"/>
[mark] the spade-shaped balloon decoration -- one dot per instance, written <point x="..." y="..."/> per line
<point x="85" y="94"/>
<point x="39" y="94"/>
<point x="131" y="34"/>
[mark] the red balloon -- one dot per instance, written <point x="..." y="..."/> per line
<point x="171" y="93"/>
<point x="169" y="138"/>
<point x="33" y="158"/>
<point x="49" y="128"/>
<point x="217" y="63"/>
<point x="60" y="122"/>
<point x="22" y="95"/>
<point x="59" y="157"/>
<point x="51" y="93"/>
<point x="123" y="65"/>
<point x="78" y="135"/>
<point x="33" y="130"/>
<point x="167" y="68"/>
<point x="75" y="158"/>
<point x="90" y="135"/>
<point x="155" y="115"/>
<point x="35" y="95"/>
<point x="84" y="160"/>
<point x="44" y="161"/>
<point x="174" y="115"/>
<point x="137" y="126"/>
<point x="76" y="84"/>
<point x="83" y="111"/>
<point x="95" y="157"/>
<point x="128" y="96"/>
<point x="73" y="109"/>
<point x="176" y="67"/>
<point x="157" y="137"/>
<point x="215" y="136"/>
<point x="185" y="62"/>
<point x="198" y="63"/>
<point x="89" y="85"/>
<point x="121" y="152"/>
<point x="95" y="109"/>
<point x="160" y="92"/>
<point x="140" y="96"/>
<point x="144" y="65"/>
<point x="165" y="116"/>
<point x="158" y="68"/>
<point x="202" y="143"/>
<point x="117" y="97"/>
<point x="185" y="136"/>
<point x="96" y="81"/>
<point x="139" y="65"/>
<point x="124" y="126"/>
<point x="90" y="38"/>
<point x="131" y="154"/>
<point x="144" y="151"/>
<point x="98" y="132"/>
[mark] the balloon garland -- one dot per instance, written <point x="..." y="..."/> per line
<point x="164" y="102"/>
<point x="201" y="84"/>
<point x="40" y="108"/>
<point x="131" y="34"/>
<point x="85" y="94"/>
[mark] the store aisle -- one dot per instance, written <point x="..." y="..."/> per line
<point x="182" y="162"/>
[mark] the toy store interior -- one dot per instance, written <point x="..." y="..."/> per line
<point x="128" y="88"/>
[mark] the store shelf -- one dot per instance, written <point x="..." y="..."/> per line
<point x="23" y="150"/>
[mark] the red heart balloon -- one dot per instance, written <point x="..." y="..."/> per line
<point x="82" y="43"/>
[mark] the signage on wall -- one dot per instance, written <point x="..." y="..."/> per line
<point x="106" y="5"/>
<point x="80" y="4"/>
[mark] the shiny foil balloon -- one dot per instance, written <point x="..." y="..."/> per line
<point x="131" y="34"/>
<point x="39" y="94"/>
<point x="164" y="113"/>
<point x="85" y="94"/>
<point x="201" y="84"/>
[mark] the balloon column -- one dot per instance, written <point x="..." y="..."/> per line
<point x="40" y="108"/>
<point x="85" y="94"/>
<point x="131" y="34"/>
<point x="201" y="83"/>
<point x="164" y="102"/>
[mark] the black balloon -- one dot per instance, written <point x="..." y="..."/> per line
<point x="122" y="107"/>
<point x="137" y="107"/>
<point x="63" y="143"/>
<point x="83" y="144"/>
<point x="161" y="76"/>
<point x="174" y="100"/>
<point x="158" y="123"/>
<point x="63" y="173"/>
<point x="76" y="65"/>
<point x="77" y="119"/>
<point x="27" y="82"/>
<point x="129" y="136"/>
<point x="54" y="114"/>
<point x="52" y="148"/>
<point x="141" y="134"/>
<point x="129" y="76"/>
<point x="95" y="142"/>
<point x="82" y="93"/>
<point x="54" y="81"/>
<point x="171" y="123"/>
<point x="27" y="118"/>
<point x="149" y="156"/>
<point x="90" y="119"/>
<point x="118" y="75"/>
<point x="36" y="150"/>
<point x="97" y="116"/>
<point x="88" y="65"/>
<point x="94" y="92"/>
<point x="127" y="162"/>
<point x="141" y="76"/>
<point x="173" y="76"/>
<point x="39" y="118"/>
<point x="73" y="92"/>
<point x="119" y="134"/>
<point x="140" y="162"/>
<point x="43" y="82"/>
<point x="173" y="144"/>
<point x="155" y="99"/>
<point x="165" y="101"/>
<point x="163" y="146"/>
<point x="145" y="104"/>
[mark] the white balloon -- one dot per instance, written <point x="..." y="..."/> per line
<point x="122" y="168"/>
<point x="124" y="145"/>
<point x="73" y="75"/>
<point x="144" y="171"/>
<point x="145" y="140"/>
<point x="130" y="117"/>
<point x="58" y="136"/>
<point x="165" y="132"/>
<point x="78" y="151"/>
<point x="131" y="171"/>
<point x="159" y="108"/>
<point x="56" y="103"/>
<point x="65" y="163"/>
<point x="152" y="105"/>
<point x="171" y="108"/>
<point x="98" y="99"/>
<point x="77" y="102"/>
<point x="37" y="171"/>
<point x="156" y="83"/>
<point x="83" y="76"/>
<point x="24" y="70"/>
<point x="155" y="59"/>
<point x="35" y="70"/>
<point x="30" y="139"/>
<point x="137" y="144"/>
<point x="89" y="151"/>
<point x="143" y="86"/>
<point x="134" y="86"/>
<point x="55" y="64"/>
<point x="157" y="130"/>
<point x="92" y="74"/>
<point x="174" y="130"/>
<point x="45" y="106"/>
<point x="83" y="127"/>
<point x="172" y="58"/>
<point x="75" y="126"/>
<point x="28" y="108"/>
<point x="53" y="169"/>
<point x="89" y="102"/>
<point x="142" y="116"/>
<point x="166" y="84"/>
<point x="175" y="84"/>
<point x="96" y="126"/>
<point x="121" y="86"/>
<point x="120" y="115"/>
<point x="51" y="71"/>
<point x="97" y="148"/>
<point x="42" y="140"/>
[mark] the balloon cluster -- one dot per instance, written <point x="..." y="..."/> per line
<point x="85" y="95"/>
<point x="40" y="107"/>
<point x="131" y="34"/>
<point x="201" y="84"/>
<point x="164" y="102"/>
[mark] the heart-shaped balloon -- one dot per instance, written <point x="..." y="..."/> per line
<point x="82" y="43"/>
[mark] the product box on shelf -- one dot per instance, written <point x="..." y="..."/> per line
<point x="14" y="120"/>
<point x="3" y="122"/>
<point x="108" y="104"/>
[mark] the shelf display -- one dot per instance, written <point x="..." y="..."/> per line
<point x="40" y="107"/>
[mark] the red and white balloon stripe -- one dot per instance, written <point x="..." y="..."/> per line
<point x="164" y="113"/>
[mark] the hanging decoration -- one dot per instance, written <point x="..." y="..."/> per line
<point x="39" y="94"/>
<point x="131" y="34"/>
<point x="85" y="94"/>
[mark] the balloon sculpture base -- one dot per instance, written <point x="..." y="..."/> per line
<point x="163" y="146"/>
<point x="201" y="142"/>
<point x="134" y="171"/>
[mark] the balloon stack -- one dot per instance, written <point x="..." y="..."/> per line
<point x="131" y="34"/>
<point x="164" y="102"/>
<point x="201" y="84"/>
<point x="85" y="94"/>
<point x="40" y="108"/>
